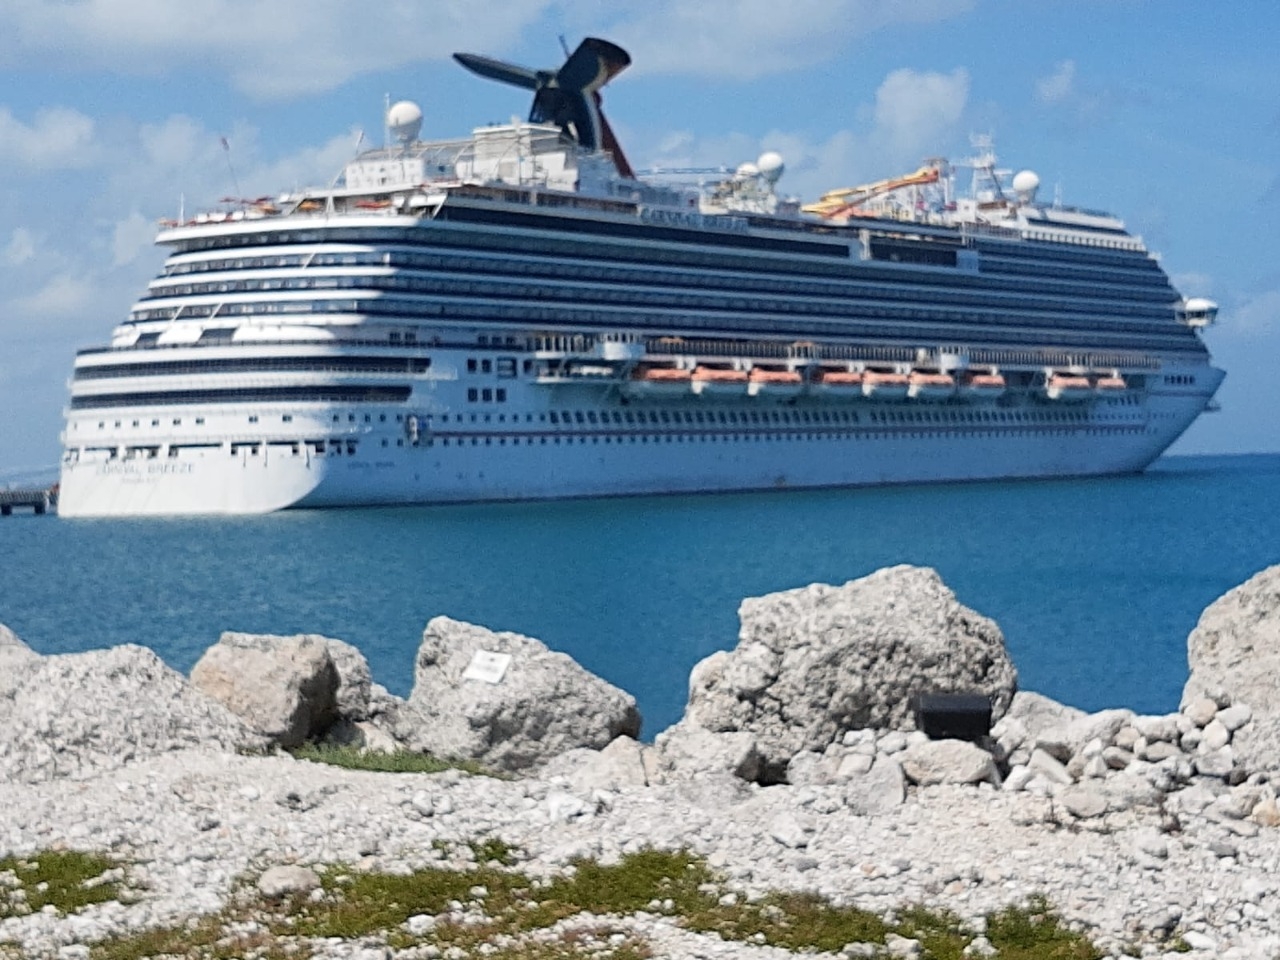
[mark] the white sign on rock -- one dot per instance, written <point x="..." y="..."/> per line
<point x="487" y="666"/>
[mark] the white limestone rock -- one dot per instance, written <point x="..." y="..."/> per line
<point x="355" y="696"/>
<point x="1235" y="651"/>
<point x="815" y="662"/>
<point x="948" y="761"/>
<point x="17" y="662"/>
<point x="687" y="751"/>
<point x="880" y="790"/>
<point x="1036" y="713"/>
<point x="283" y="687"/>
<point x="1069" y="740"/>
<point x="620" y="765"/>
<point x="276" y="883"/>
<point x="77" y="715"/>
<point x="542" y="704"/>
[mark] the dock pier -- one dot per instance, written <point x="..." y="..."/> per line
<point x="40" y="500"/>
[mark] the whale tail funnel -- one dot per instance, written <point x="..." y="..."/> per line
<point x="570" y="96"/>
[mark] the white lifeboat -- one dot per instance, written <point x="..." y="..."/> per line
<point x="922" y="385"/>
<point x="885" y="386"/>
<point x="774" y="383"/>
<point x="658" y="382"/>
<point x="718" y="382"/>
<point x="1067" y="388"/>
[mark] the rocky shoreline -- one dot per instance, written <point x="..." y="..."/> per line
<point x="795" y="768"/>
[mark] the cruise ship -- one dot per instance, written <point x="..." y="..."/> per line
<point x="520" y="315"/>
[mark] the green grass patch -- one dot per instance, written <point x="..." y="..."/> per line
<point x="1036" y="932"/>
<point x="67" y="880"/>
<point x="402" y="761"/>
<point x="497" y="912"/>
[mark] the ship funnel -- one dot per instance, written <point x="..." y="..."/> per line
<point x="568" y="97"/>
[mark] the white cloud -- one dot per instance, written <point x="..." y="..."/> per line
<point x="131" y="236"/>
<point x="1059" y="85"/>
<point x="270" y="50"/>
<point x="915" y="115"/>
<point x="915" y="110"/>
<point x="286" y="48"/>
<point x="1255" y="314"/>
<point x="64" y="296"/>
<point x="745" y="39"/>
<point x="1192" y="283"/>
<point x="21" y="247"/>
<point x="57" y="139"/>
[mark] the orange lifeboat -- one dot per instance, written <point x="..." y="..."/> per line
<point x="982" y="386"/>
<point x="885" y="386"/>
<point x="930" y="386"/>
<point x="774" y="383"/>
<point x="718" y="382"/>
<point x="1068" y="387"/>
<point x="1110" y="384"/>
<point x="658" y="382"/>
<point x="837" y="384"/>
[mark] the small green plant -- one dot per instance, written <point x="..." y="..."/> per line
<point x="1035" y="932"/>
<point x="66" y="880"/>
<point x="402" y="761"/>
<point x="493" y="850"/>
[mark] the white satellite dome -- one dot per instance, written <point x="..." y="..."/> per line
<point x="1025" y="184"/>
<point x="770" y="165"/>
<point x="404" y="120"/>
<point x="746" y="170"/>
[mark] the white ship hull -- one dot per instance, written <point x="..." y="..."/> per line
<point x="903" y="442"/>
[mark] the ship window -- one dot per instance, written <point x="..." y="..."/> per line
<point x="253" y="418"/>
<point x="471" y="365"/>
<point x="506" y="366"/>
<point x="199" y="421"/>
<point x="486" y="394"/>
<point x="382" y="418"/>
<point x="472" y="394"/>
<point x="287" y="418"/>
<point x="554" y="417"/>
<point x="502" y="395"/>
<point x="591" y="416"/>
<point x="486" y="366"/>
<point x="577" y="415"/>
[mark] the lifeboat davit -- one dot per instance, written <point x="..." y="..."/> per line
<point x="658" y="382"/>
<point x="982" y="386"/>
<point x="885" y="386"/>
<point x="774" y="383"/>
<point x="837" y="384"/>
<point x="930" y="386"/>
<point x="1068" y="388"/>
<point x="718" y="382"/>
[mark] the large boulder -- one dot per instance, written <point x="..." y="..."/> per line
<point x="285" y="688"/>
<point x="1234" y="656"/>
<point x="79" y="714"/>
<point x="507" y="701"/>
<point x="814" y="662"/>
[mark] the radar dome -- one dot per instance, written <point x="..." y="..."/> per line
<point x="404" y="119"/>
<point x="1025" y="184"/>
<point x="746" y="170"/>
<point x="770" y="165"/>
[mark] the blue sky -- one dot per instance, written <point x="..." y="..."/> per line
<point x="1164" y="112"/>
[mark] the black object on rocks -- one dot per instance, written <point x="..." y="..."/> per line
<point x="953" y="716"/>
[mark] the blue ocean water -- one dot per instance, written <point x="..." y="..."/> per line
<point x="1095" y="583"/>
